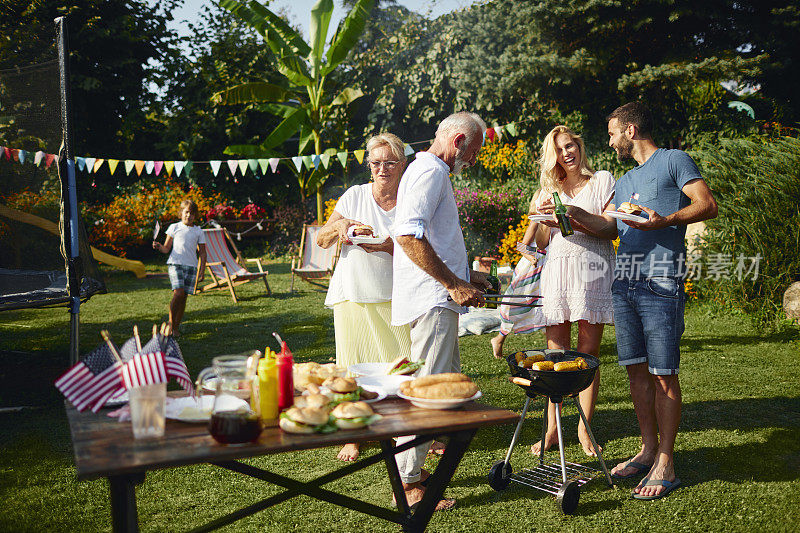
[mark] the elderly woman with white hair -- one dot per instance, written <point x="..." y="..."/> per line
<point x="360" y="291"/>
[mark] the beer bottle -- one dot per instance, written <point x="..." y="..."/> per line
<point x="561" y="215"/>
<point x="494" y="281"/>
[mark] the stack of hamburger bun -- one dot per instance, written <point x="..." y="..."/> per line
<point x="314" y="374"/>
<point x="440" y="387"/>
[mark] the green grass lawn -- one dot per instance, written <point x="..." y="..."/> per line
<point x="737" y="453"/>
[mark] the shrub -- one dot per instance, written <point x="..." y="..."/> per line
<point x="756" y="182"/>
<point x="485" y="217"/>
<point x="221" y="212"/>
<point x="253" y="212"/>
<point x="508" y="245"/>
<point x="126" y="223"/>
<point x="286" y="227"/>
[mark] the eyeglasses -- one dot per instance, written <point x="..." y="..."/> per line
<point x="388" y="165"/>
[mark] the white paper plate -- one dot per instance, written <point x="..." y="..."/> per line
<point x="382" y="383"/>
<point x="426" y="403"/>
<point x="198" y="410"/>
<point x="363" y="239"/>
<point x="191" y="410"/>
<point x="380" y="392"/>
<point x="368" y="369"/>
<point x="539" y="218"/>
<point x="624" y="216"/>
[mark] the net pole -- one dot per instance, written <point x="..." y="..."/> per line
<point x="69" y="190"/>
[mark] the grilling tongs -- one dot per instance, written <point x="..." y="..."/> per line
<point x="507" y="299"/>
<point x="500" y="299"/>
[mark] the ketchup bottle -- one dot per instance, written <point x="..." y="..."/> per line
<point x="285" y="378"/>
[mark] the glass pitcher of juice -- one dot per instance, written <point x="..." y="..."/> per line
<point x="233" y="420"/>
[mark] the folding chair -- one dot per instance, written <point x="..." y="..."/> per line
<point x="226" y="269"/>
<point x="314" y="262"/>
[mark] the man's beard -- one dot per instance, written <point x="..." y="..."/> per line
<point x="624" y="149"/>
<point x="459" y="164"/>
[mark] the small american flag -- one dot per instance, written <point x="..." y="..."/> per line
<point x="92" y="381"/>
<point x="176" y="367"/>
<point x="144" y="369"/>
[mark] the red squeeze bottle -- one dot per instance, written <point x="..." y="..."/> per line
<point x="285" y="379"/>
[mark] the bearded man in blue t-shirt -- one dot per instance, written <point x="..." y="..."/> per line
<point x="648" y="288"/>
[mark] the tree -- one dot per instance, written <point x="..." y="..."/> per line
<point x="307" y="97"/>
<point x="113" y="45"/>
<point x="219" y="52"/>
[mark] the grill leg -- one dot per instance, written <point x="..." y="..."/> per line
<point x="519" y="428"/>
<point x="594" y="442"/>
<point x="561" y="443"/>
<point x="544" y="430"/>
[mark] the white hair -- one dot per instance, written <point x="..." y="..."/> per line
<point x="464" y="122"/>
<point x="389" y="140"/>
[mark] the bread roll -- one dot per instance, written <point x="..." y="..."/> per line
<point x="432" y="379"/>
<point x="445" y="390"/>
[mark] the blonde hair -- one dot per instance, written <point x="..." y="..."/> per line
<point x="191" y="205"/>
<point x="389" y="140"/>
<point x="552" y="174"/>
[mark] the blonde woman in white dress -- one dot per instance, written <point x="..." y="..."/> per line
<point x="577" y="276"/>
<point x="360" y="291"/>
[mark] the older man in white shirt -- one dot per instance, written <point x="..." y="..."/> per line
<point x="432" y="280"/>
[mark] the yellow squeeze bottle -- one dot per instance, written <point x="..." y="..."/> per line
<point x="268" y="389"/>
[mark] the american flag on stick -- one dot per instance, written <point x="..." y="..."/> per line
<point x="173" y="360"/>
<point x="93" y="380"/>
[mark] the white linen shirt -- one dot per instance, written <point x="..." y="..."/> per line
<point x="426" y="207"/>
<point x="184" y="244"/>
<point x="361" y="276"/>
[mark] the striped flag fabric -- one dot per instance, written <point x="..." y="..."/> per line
<point x="93" y="380"/>
<point x="176" y="366"/>
<point x="144" y="369"/>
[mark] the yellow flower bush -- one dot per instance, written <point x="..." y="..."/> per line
<point x="329" y="206"/>
<point x="506" y="158"/>
<point x="128" y="220"/>
<point x="508" y="246"/>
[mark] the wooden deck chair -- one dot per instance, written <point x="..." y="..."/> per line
<point x="314" y="262"/>
<point x="226" y="269"/>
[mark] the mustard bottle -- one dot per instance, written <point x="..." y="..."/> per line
<point x="268" y="389"/>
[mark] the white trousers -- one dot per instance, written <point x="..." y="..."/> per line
<point x="434" y="337"/>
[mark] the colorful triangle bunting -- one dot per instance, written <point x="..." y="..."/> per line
<point x="214" y="167"/>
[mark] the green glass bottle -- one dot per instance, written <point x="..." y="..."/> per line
<point x="494" y="281"/>
<point x="561" y="215"/>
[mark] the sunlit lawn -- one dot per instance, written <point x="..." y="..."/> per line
<point x="738" y="452"/>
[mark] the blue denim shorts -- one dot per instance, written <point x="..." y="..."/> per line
<point x="182" y="277"/>
<point x="648" y="319"/>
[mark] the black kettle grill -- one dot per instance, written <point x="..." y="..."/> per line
<point x="564" y="480"/>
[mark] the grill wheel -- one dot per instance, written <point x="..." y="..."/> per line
<point x="500" y="475"/>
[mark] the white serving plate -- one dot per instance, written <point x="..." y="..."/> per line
<point x="368" y="369"/>
<point x="382" y="383"/>
<point x="539" y="218"/>
<point x="366" y="239"/>
<point x="624" y="216"/>
<point x="426" y="403"/>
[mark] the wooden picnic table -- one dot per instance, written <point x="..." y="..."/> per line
<point x="104" y="447"/>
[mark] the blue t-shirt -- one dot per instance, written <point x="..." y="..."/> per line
<point x="659" y="182"/>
